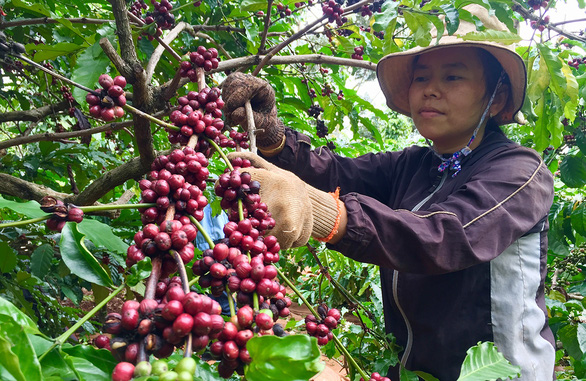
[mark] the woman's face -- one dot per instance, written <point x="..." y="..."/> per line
<point x="447" y="96"/>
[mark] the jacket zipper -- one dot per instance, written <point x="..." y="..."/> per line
<point x="396" y="279"/>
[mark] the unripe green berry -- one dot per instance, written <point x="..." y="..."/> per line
<point x="159" y="367"/>
<point x="168" y="376"/>
<point x="143" y="368"/>
<point x="185" y="376"/>
<point x="186" y="364"/>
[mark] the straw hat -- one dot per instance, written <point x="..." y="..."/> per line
<point x="394" y="71"/>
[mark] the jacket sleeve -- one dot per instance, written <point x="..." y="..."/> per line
<point x="323" y="169"/>
<point x="501" y="202"/>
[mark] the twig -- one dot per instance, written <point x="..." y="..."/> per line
<point x="267" y="22"/>
<point x="48" y="71"/>
<point x="159" y="40"/>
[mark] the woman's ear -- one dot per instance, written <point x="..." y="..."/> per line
<point x="500" y="100"/>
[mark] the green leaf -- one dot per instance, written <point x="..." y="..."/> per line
<point x="35" y="7"/>
<point x="484" y="362"/>
<point x="9" y="361"/>
<point x="52" y="364"/>
<point x="21" y="347"/>
<point x="101" y="235"/>
<point x="50" y="52"/>
<point x="253" y="5"/>
<point x="139" y="271"/>
<point x="387" y="15"/>
<point x="420" y="26"/>
<point x="41" y="260"/>
<point x="578" y="218"/>
<point x="100" y="358"/>
<point x="573" y="337"/>
<point x="7" y="258"/>
<point x="31" y="209"/>
<point x="91" y="63"/>
<point x="554" y="66"/>
<point x="452" y="18"/>
<point x="538" y="81"/>
<point x="573" y="171"/>
<point x="78" y="259"/>
<point x="581" y="141"/>
<point x="10" y="310"/>
<point x="503" y="37"/>
<point x="407" y="375"/>
<point x="572" y="92"/>
<point x="86" y="370"/>
<point x="425" y="376"/>
<point x="291" y="358"/>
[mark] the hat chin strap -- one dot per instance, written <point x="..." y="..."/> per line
<point x="454" y="161"/>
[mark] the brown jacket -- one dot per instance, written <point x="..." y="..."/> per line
<point x="462" y="259"/>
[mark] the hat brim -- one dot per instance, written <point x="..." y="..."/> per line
<point x="395" y="72"/>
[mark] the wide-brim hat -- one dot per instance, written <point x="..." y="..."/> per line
<point x="395" y="71"/>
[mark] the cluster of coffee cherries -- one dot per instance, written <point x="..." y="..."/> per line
<point x="540" y="24"/>
<point x="137" y="7"/>
<point x="537" y="4"/>
<point x="302" y="3"/>
<point x="239" y="139"/>
<point x="184" y="370"/>
<point x="283" y="11"/>
<point x="154" y="241"/>
<point x="314" y="111"/>
<point x="322" y="129"/>
<point x="327" y="90"/>
<point x="67" y="94"/>
<point x="375" y="376"/>
<point x="178" y="179"/>
<point x="333" y="10"/>
<point x="61" y="213"/>
<point x="161" y="325"/>
<point x="106" y="103"/>
<point x="198" y="113"/>
<point x="380" y="35"/>
<point x="321" y="329"/>
<point x="576" y="62"/>
<point x="358" y="52"/>
<point x="202" y="57"/>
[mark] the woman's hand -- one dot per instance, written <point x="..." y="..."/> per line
<point x="299" y="210"/>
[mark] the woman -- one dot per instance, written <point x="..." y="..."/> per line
<point x="459" y="229"/>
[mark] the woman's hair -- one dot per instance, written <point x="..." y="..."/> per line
<point x="492" y="71"/>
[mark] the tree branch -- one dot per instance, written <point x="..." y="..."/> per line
<point x="298" y="34"/>
<point x="34" y="115"/>
<point x="47" y="20"/>
<point x="263" y="39"/>
<point x="159" y="50"/>
<point x="50" y="136"/>
<point x="520" y="9"/>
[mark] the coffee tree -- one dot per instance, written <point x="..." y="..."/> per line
<point x="113" y="154"/>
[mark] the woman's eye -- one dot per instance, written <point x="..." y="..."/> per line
<point x="453" y="77"/>
<point x="419" y="79"/>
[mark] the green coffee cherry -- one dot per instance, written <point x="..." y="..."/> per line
<point x="159" y="367"/>
<point x="185" y="376"/>
<point x="186" y="364"/>
<point x="143" y="368"/>
<point x="168" y="376"/>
